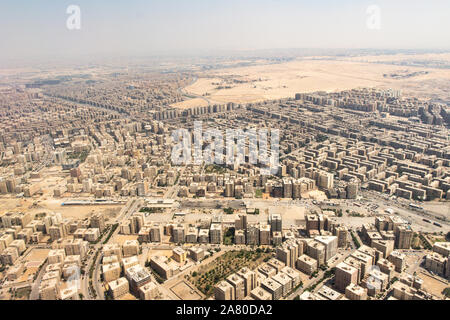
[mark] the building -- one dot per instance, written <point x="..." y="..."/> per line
<point x="191" y="235"/>
<point x="179" y="254"/>
<point x="129" y="262"/>
<point x="273" y="287"/>
<point x="259" y="293"/>
<point x="118" y="287"/>
<point x="98" y="221"/>
<point x="384" y="246"/>
<point x="249" y="278"/>
<point x="436" y="263"/>
<point x="398" y="259"/>
<point x="403" y="237"/>
<point x="264" y="234"/>
<point x="275" y="222"/>
<point x="285" y="281"/>
<point x="178" y="234"/>
<point x="344" y="276"/>
<point x="331" y="245"/>
<point x="239" y="237"/>
<point x="241" y="222"/>
<point x="49" y="289"/>
<point x="137" y="276"/>
<point x="148" y="291"/>
<point x="306" y="264"/>
<point x="196" y="253"/>
<point x="203" y="236"/>
<point x="293" y="274"/>
<point x="238" y="286"/>
<point x="111" y="271"/>
<point x="316" y="250"/>
<point x="163" y="267"/>
<point x="355" y="292"/>
<point x="224" y="291"/>
<point x="215" y="233"/>
<point x="130" y="248"/>
<point x="56" y="256"/>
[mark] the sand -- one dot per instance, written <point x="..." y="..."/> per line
<point x="275" y="81"/>
<point x="196" y="102"/>
<point x="47" y="204"/>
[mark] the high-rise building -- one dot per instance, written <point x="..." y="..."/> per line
<point x="249" y="277"/>
<point x="215" y="233"/>
<point x="238" y="286"/>
<point x="344" y="276"/>
<point x="224" y="291"/>
<point x="275" y="222"/>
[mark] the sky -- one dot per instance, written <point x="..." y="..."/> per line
<point x="37" y="28"/>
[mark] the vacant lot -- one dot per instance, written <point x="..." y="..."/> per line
<point x="433" y="285"/>
<point x="184" y="291"/>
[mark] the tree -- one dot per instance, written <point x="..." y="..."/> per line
<point x="446" y="292"/>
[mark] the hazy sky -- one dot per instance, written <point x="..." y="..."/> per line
<point x="38" y="27"/>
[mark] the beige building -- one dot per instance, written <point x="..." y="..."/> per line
<point x="306" y="264"/>
<point x="238" y="286"/>
<point x="111" y="272"/>
<point x="344" y="276"/>
<point x="249" y="277"/>
<point x="148" y="291"/>
<point x="331" y="245"/>
<point x="285" y="282"/>
<point x="56" y="256"/>
<point x="355" y="292"/>
<point x="273" y="287"/>
<point x="436" y="263"/>
<point x="259" y="293"/>
<point x="398" y="259"/>
<point x="130" y="248"/>
<point x="224" y="291"/>
<point x="112" y="249"/>
<point x="196" y="253"/>
<point x="49" y="290"/>
<point x="129" y="262"/>
<point x="293" y="274"/>
<point x="118" y="287"/>
<point x="179" y="254"/>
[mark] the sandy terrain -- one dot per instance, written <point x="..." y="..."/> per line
<point x="185" y="291"/>
<point x="432" y="285"/>
<point x="121" y="238"/>
<point x="38" y="255"/>
<point x="274" y="81"/>
<point x="54" y="205"/>
<point x="196" y="102"/>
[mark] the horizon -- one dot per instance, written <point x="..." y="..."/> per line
<point x="177" y="28"/>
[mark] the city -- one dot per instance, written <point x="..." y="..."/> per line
<point x="247" y="177"/>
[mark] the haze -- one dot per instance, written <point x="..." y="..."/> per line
<point x="31" y="29"/>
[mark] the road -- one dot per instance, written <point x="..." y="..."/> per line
<point x="130" y="207"/>
<point x="342" y="254"/>
<point x="34" y="295"/>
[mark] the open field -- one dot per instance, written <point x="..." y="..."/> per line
<point x="433" y="285"/>
<point x="185" y="292"/>
<point x="54" y="205"/>
<point x="275" y="81"/>
<point x="38" y="255"/>
<point x="196" y="102"/>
